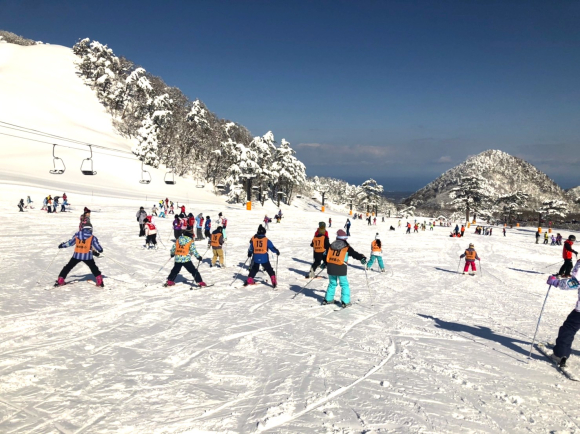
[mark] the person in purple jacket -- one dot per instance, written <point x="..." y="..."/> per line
<point x="85" y="242"/>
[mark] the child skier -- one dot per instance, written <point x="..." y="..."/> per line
<point x="182" y="251"/>
<point x="151" y="233"/>
<point x="336" y="259"/>
<point x="176" y="226"/>
<point x="223" y="222"/>
<point x="567" y="251"/>
<point x="21" y="205"/>
<point x="470" y="256"/>
<point x="571" y="325"/>
<point x="207" y="231"/>
<point x="376" y="253"/>
<point x="85" y="242"/>
<point x="85" y="218"/>
<point x="320" y="244"/>
<point x="217" y="241"/>
<point x="259" y="246"/>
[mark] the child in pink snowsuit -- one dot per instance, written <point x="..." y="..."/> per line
<point x="470" y="256"/>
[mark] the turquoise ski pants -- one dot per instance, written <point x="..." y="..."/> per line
<point x="344" y="288"/>
<point x="372" y="261"/>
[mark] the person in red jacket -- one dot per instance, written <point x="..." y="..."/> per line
<point x="567" y="251"/>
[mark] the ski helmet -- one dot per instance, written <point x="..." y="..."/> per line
<point x="471" y="246"/>
<point x="572" y="238"/>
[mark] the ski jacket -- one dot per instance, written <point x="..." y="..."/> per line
<point x="341" y="270"/>
<point x="325" y="234"/>
<point x="376" y="250"/>
<point x="183" y="209"/>
<point x="262" y="258"/>
<point x="190" y="222"/>
<point x="141" y="214"/>
<point x="347" y="225"/>
<point x="84" y="235"/>
<point x="192" y="251"/>
<point x="208" y="225"/>
<point x="85" y="221"/>
<point x="217" y="240"/>
<point x="567" y="250"/>
<point x="470" y="255"/>
<point x="198" y="222"/>
<point x="150" y="229"/>
<point x="176" y="224"/>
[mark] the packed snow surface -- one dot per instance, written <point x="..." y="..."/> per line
<point x="423" y="348"/>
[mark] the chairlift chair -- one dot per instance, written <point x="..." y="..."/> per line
<point x="87" y="164"/>
<point x="145" y="175"/>
<point x="56" y="159"/>
<point x="171" y="179"/>
<point x="220" y="187"/>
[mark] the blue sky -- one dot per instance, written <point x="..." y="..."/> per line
<point x="399" y="91"/>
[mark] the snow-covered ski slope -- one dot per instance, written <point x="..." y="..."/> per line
<point x="423" y="349"/>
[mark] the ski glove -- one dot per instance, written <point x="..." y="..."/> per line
<point x="363" y="260"/>
<point x="97" y="254"/>
<point x="249" y="255"/>
<point x="61" y="246"/>
<point x="199" y="258"/>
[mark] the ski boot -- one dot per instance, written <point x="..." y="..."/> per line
<point x="325" y="302"/>
<point x="249" y="281"/>
<point x="202" y="284"/>
<point x="274" y="281"/>
<point x="345" y="305"/>
<point x="60" y="282"/>
<point x="311" y="274"/>
<point x="560" y="361"/>
<point x="382" y="270"/>
<point x="100" y="281"/>
<point x="169" y="283"/>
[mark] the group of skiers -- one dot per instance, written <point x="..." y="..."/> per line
<point x="555" y="240"/>
<point x="50" y="204"/>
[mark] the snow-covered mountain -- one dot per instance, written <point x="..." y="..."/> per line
<point x="574" y="193"/>
<point x="504" y="173"/>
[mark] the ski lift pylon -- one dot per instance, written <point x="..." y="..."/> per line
<point x="87" y="164"/>
<point x="170" y="180"/>
<point x="55" y="159"/>
<point x="145" y="175"/>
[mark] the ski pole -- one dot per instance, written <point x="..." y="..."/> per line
<point x="551" y="265"/>
<point x="480" y="269"/>
<point x="277" y="256"/>
<point x="368" y="287"/>
<point x="49" y="265"/>
<point x="458" y="264"/>
<point x="304" y="287"/>
<point x="239" y="271"/>
<point x="162" y="267"/>
<point x="161" y="240"/>
<point x="199" y="262"/>
<point x="539" y="319"/>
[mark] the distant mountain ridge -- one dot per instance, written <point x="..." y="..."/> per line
<point x="504" y="173"/>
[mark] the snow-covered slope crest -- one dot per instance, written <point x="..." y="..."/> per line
<point x="504" y="173"/>
<point x="40" y="89"/>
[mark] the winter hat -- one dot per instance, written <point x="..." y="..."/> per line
<point x="87" y="210"/>
<point x="341" y="235"/>
<point x="377" y="237"/>
<point x="261" y="230"/>
<point x="139" y="208"/>
<point x="322" y="225"/>
<point x="220" y="229"/>
<point x="572" y="238"/>
<point x="146" y="220"/>
<point x="190" y="215"/>
<point x="220" y="214"/>
<point x="471" y="245"/>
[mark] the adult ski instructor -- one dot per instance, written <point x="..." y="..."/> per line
<point x="85" y="242"/>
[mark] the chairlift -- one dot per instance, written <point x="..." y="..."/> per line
<point x="87" y="164"/>
<point x="170" y="179"/>
<point x="145" y="175"/>
<point x="220" y="187"/>
<point x="56" y="160"/>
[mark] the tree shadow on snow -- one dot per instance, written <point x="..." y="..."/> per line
<point x="302" y="260"/>
<point x="525" y="271"/>
<point x="484" y="333"/>
<point x="300" y="272"/>
<point x="308" y="292"/>
<point x="447" y="271"/>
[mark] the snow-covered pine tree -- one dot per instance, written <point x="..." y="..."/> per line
<point x="552" y="208"/>
<point x="470" y="193"/>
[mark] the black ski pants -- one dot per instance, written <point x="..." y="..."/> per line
<point x="176" y="233"/>
<point x="566" y="267"/>
<point x="20" y="208"/>
<point x="566" y="335"/>
<point x="73" y="263"/>
<point x="189" y="267"/>
<point x="319" y="258"/>
<point x="256" y="267"/>
<point x="199" y="234"/>
<point x="151" y="239"/>
<point x="141" y="229"/>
